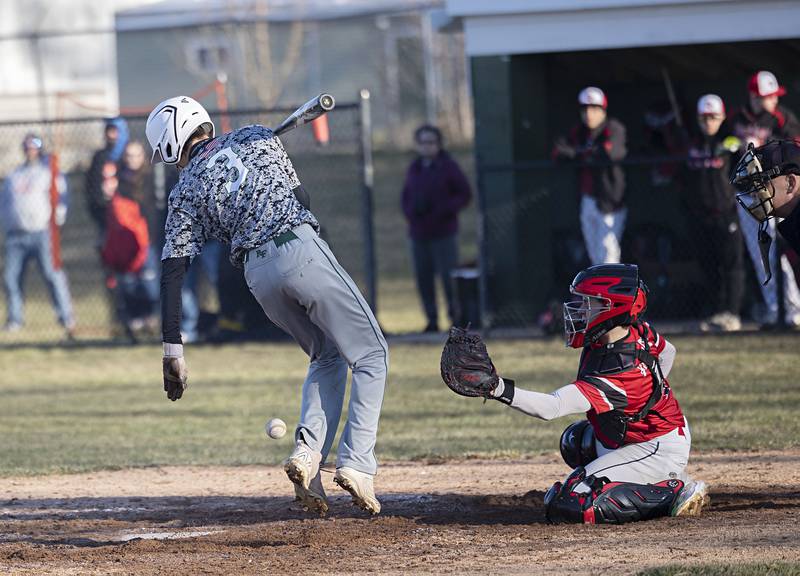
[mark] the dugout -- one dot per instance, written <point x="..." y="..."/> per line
<point x="527" y="68"/>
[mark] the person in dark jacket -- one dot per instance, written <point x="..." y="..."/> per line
<point x="597" y="144"/>
<point x="116" y="138"/>
<point x="435" y="191"/>
<point x="710" y="201"/>
<point x="760" y="121"/>
<point x="768" y="179"/>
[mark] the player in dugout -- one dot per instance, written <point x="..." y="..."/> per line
<point x="629" y="458"/>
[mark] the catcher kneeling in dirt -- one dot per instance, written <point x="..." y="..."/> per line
<point x="630" y="457"/>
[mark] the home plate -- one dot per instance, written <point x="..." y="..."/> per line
<point x="164" y="535"/>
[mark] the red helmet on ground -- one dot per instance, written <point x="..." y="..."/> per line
<point x="607" y="295"/>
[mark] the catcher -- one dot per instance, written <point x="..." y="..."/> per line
<point x="629" y="457"/>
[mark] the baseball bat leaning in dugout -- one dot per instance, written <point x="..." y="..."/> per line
<point x="309" y="111"/>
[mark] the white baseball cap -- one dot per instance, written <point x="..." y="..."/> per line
<point x="764" y="83"/>
<point x="592" y="96"/>
<point x="710" y="105"/>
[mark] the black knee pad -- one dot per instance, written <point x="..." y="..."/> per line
<point x="608" y="502"/>
<point x="562" y="504"/>
<point x="621" y="502"/>
<point x="577" y="444"/>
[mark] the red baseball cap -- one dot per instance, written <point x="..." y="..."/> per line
<point x="764" y="83"/>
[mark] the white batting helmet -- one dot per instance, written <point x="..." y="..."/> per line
<point x="172" y="123"/>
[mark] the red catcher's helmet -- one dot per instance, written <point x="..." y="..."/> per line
<point x="607" y="295"/>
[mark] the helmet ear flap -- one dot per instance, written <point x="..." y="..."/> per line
<point x="640" y="300"/>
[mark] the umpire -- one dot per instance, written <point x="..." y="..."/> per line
<point x="768" y="179"/>
<point x="239" y="189"/>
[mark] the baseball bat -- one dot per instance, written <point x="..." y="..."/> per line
<point x="673" y="101"/>
<point x="309" y="111"/>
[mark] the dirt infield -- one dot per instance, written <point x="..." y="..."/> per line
<point x="456" y="517"/>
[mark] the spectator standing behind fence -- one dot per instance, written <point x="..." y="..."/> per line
<point x="116" y="137"/>
<point x="130" y="261"/>
<point x="136" y="182"/>
<point x="597" y="144"/>
<point x="435" y="191"/>
<point x="761" y="120"/>
<point x="140" y="288"/>
<point x="26" y="211"/>
<point x="711" y="204"/>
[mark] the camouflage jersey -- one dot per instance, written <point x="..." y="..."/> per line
<point x="236" y="188"/>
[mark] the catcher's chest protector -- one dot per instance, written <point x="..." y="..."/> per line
<point x="599" y="363"/>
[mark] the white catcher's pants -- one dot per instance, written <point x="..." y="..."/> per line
<point x="791" y="294"/>
<point x="602" y="232"/>
<point x="659" y="459"/>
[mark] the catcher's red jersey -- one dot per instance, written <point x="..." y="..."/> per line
<point x="629" y="391"/>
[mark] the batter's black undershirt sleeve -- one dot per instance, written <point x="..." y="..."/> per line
<point x="172" y="273"/>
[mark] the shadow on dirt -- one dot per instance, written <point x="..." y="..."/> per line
<point x="69" y="521"/>
<point x="222" y="510"/>
<point x="735" y="502"/>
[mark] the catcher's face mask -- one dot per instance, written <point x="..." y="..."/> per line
<point x="578" y="316"/>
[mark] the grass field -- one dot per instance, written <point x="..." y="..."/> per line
<point x="87" y="409"/>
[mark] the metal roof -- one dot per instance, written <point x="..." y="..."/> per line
<point x="503" y="27"/>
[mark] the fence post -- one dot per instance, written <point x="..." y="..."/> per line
<point x="483" y="248"/>
<point x="367" y="182"/>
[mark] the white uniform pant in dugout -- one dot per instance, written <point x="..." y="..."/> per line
<point x="662" y="458"/>
<point x="602" y="232"/>
<point x="303" y="290"/>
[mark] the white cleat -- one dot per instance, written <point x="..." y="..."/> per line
<point x="313" y="498"/>
<point x="359" y="484"/>
<point x="302" y="468"/>
<point x="691" y="499"/>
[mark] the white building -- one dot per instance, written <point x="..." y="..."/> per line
<point x="281" y="52"/>
<point x="58" y="58"/>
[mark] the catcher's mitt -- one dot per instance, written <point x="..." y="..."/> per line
<point x="466" y="366"/>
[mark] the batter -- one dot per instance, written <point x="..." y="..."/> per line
<point x="239" y="188"/>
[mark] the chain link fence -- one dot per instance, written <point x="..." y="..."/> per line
<point x="331" y="173"/>
<point x="532" y="246"/>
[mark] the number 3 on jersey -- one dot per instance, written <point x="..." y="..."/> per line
<point x="229" y="159"/>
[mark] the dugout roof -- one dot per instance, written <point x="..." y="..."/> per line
<point x="507" y="27"/>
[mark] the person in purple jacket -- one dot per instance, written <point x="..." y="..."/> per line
<point x="434" y="192"/>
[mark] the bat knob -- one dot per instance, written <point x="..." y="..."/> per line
<point x="326" y="102"/>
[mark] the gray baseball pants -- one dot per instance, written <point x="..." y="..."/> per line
<point x="304" y="291"/>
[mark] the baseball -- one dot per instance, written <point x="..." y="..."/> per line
<point x="276" y="428"/>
